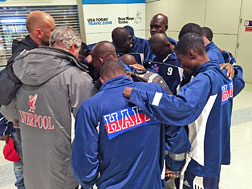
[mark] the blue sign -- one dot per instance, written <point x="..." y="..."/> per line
<point x="2" y="0"/>
<point x="111" y="1"/>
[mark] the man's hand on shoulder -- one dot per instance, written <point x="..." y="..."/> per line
<point x="230" y="70"/>
<point x="138" y="67"/>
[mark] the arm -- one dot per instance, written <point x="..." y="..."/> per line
<point x="85" y="160"/>
<point x="4" y="134"/>
<point x="10" y="111"/>
<point x="228" y="57"/>
<point x="178" y="110"/>
<point x="238" y="81"/>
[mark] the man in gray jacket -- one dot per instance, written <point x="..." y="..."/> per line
<point x="54" y="84"/>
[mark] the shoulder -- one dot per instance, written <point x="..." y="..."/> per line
<point x="80" y="75"/>
<point x="92" y="102"/>
<point x="141" y="40"/>
<point x="148" y="86"/>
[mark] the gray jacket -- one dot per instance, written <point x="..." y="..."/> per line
<point x="52" y="91"/>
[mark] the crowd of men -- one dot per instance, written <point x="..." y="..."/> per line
<point x="78" y="114"/>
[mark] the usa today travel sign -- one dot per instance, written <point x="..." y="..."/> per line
<point x="102" y="16"/>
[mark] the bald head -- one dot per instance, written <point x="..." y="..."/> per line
<point x="122" y="39"/>
<point x="101" y="52"/>
<point x="40" y="25"/>
<point x="128" y="59"/>
<point x="160" y="45"/>
<point x="159" y="24"/>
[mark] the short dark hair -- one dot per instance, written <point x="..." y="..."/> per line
<point x="130" y="30"/>
<point x="84" y="51"/>
<point x="190" y="41"/>
<point x="190" y="28"/>
<point x="120" y="36"/>
<point x="111" y="68"/>
<point x="208" y="33"/>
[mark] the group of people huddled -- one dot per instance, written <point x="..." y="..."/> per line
<point x="131" y="113"/>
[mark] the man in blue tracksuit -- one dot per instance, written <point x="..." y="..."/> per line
<point x="127" y="44"/>
<point x="166" y="63"/>
<point x="212" y="50"/>
<point x="116" y="145"/>
<point x="159" y="24"/>
<point x="205" y="104"/>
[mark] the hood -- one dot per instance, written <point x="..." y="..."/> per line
<point x="39" y="65"/>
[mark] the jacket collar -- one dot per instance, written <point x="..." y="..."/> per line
<point x="116" y="82"/>
<point x="210" y="46"/>
<point x="206" y="66"/>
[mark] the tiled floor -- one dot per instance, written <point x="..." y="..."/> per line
<point x="236" y="175"/>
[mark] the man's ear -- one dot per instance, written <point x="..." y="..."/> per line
<point x="102" y="80"/>
<point x="191" y="54"/>
<point x="38" y="33"/>
<point x="74" y="50"/>
<point x="168" y="44"/>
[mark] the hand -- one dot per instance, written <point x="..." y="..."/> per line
<point x="89" y="59"/>
<point x="230" y="70"/>
<point x="220" y="50"/>
<point x="16" y="125"/>
<point x="4" y="138"/>
<point x="127" y="92"/>
<point x="138" y="67"/>
<point x="169" y="173"/>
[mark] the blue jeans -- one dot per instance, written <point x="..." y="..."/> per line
<point x="18" y="166"/>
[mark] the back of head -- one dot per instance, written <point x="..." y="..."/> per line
<point x="190" y="28"/>
<point x="128" y="59"/>
<point x="122" y="39"/>
<point x="103" y="49"/>
<point x="65" y="37"/>
<point x="158" y="43"/>
<point x="111" y="69"/>
<point x="190" y="41"/>
<point x="208" y="33"/>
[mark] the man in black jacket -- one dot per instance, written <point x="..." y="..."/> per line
<point x="39" y="25"/>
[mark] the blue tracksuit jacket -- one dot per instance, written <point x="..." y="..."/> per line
<point x="170" y="70"/>
<point x="228" y="57"/>
<point x="206" y="105"/>
<point x="116" y="140"/>
<point x="214" y="53"/>
<point x="141" y="50"/>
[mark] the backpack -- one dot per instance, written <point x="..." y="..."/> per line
<point x="150" y="77"/>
